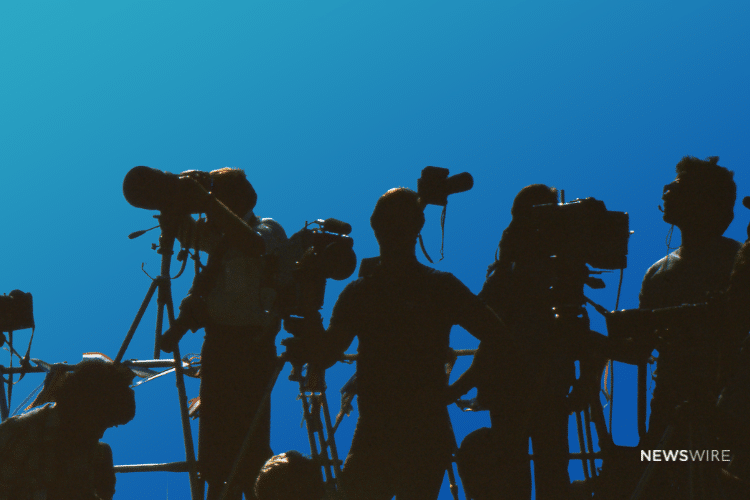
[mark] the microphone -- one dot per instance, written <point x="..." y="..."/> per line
<point x="332" y="225"/>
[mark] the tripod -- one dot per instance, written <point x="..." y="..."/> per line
<point x="313" y="402"/>
<point x="164" y="299"/>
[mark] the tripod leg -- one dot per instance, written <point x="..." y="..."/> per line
<point x="452" y="481"/>
<point x="314" y="426"/>
<point x="330" y="434"/>
<point x="137" y="320"/>
<point x="196" y="488"/>
<point x="582" y="445"/>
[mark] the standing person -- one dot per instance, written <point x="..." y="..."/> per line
<point x="402" y="314"/>
<point x="234" y="300"/>
<point x="700" y="202"/>
<point x="692" y="355"/>
<point x="54" y="452"/>
<point x="519" y="289"/>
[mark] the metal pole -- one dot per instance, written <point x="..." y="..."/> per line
<point x="195" y="486"/>
<point x="589" y="440"/>
<point x="4" y="411"/>
<point x="10" y="375"/>
<point x="582" y="445"/>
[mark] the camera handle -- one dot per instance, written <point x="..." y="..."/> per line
<point x="164" y="299"/>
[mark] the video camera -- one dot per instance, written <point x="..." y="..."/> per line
<point x="187" y="193"/>
<point x="582" y="229"/>
<point x="16" y="311"/>
<point x="321" y="250"/>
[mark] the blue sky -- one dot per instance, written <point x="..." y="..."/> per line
<point x="326" y="105"/>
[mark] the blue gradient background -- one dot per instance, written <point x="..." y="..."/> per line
<point x="326" y="105"/>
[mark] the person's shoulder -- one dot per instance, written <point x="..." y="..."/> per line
<point x="30" y="426"/>
<point x="662" y="264"/>
<point x="729" y="245"/>
<point x="354" y="289"/>
<point x="443" y="280"/>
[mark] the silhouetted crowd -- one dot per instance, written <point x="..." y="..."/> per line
<point x="537" y="363"/>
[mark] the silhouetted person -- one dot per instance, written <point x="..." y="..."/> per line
<point x="402" y="314"/>
<point x="518" y="289"/>
<point x="53" y="452"/>
<point x="234" y="300"/>
<point x="290" y="476"/>
<point x="700" y="202"/>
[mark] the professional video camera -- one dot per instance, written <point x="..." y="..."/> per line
<point x="583" y="229"/>
<point x="321" y="250"/>
<point x="16" y="311"/>
<point x="190" y="192"/>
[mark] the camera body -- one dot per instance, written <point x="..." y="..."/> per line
<point x="16" y="311"/>
<point x="318" y="253"/>
<point x="583" y="229"/>
<point x="434" y="186"/>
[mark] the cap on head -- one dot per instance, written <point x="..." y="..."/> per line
<point x="397" y="217"/>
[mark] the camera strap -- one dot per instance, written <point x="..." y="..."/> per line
<point x="442" y="237"/>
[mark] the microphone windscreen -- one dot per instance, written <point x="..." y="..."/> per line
<point x="336" y="226"/>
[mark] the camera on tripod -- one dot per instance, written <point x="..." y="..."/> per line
<point x="321" y="250"/>
<point x="582" y="229"/>
<point x="191" y="192"/>
<point x="16" y="311"/>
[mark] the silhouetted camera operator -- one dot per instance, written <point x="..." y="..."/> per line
<point x="53" y="452"/>
<point x="694" y="346"/>
<point x="700" y="202"/>
<point x="234" y="299"/>
<point x="519" y="289"/>
<point x="402" y="313"/>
